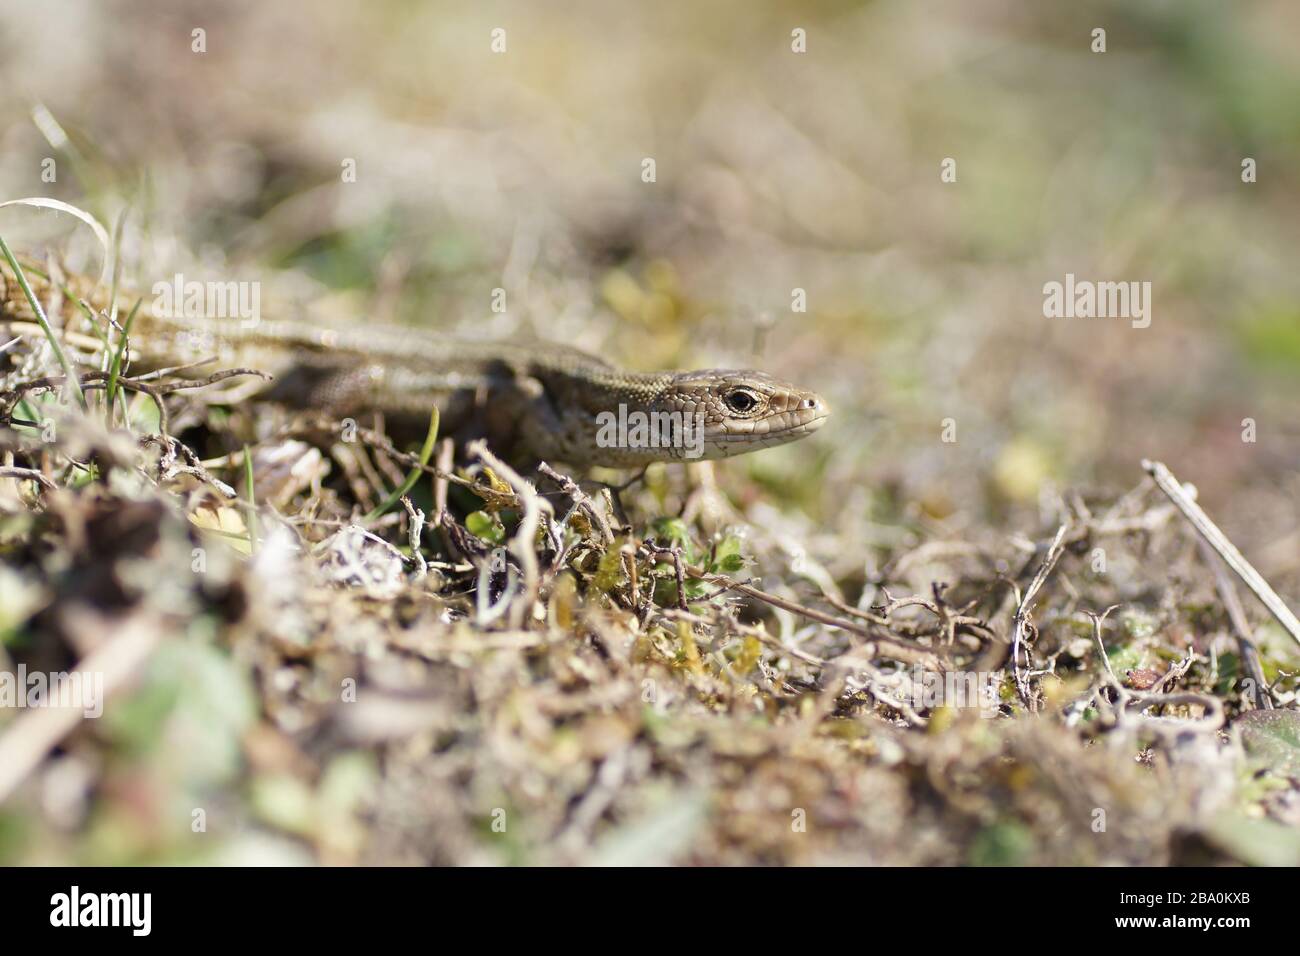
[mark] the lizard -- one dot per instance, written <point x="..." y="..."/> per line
<point x="553" y="401"/>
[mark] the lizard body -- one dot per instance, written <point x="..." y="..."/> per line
<point x="559" y="403"/>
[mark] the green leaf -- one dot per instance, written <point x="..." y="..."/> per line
<point x="1272" y="737"/>
<point x="731" y="563"/>
<point x="485" y="526"/>
<point x="1255" y="842"/>
<point x="672" y="531"/>
<point x="727" y="558"/>
<point x="1002" y="844"/>
<point x="1123" y="658"/>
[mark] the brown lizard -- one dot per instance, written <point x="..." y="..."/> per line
<point x="554" y="402"/>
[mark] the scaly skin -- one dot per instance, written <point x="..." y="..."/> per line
<point x="557" y="402"/>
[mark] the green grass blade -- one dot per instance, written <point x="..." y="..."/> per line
<point x="115" y="369"/>
<point x="252" y="500"/>
<point x="426" y="452"/>
<point x="44" y="323"/>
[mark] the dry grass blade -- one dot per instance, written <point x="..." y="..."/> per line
<point x="1216" y="539"/>
<point x="1020" y="624"/>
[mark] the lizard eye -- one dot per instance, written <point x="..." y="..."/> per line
<point x="741" y="400"/>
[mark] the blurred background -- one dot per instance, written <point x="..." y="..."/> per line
<point x="521" y="167"/>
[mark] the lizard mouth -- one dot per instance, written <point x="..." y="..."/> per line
<point x="778" y="428"/>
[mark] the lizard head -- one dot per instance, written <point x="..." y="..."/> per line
<point x="739" y="410"/>
<point x="627" y="420"/>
